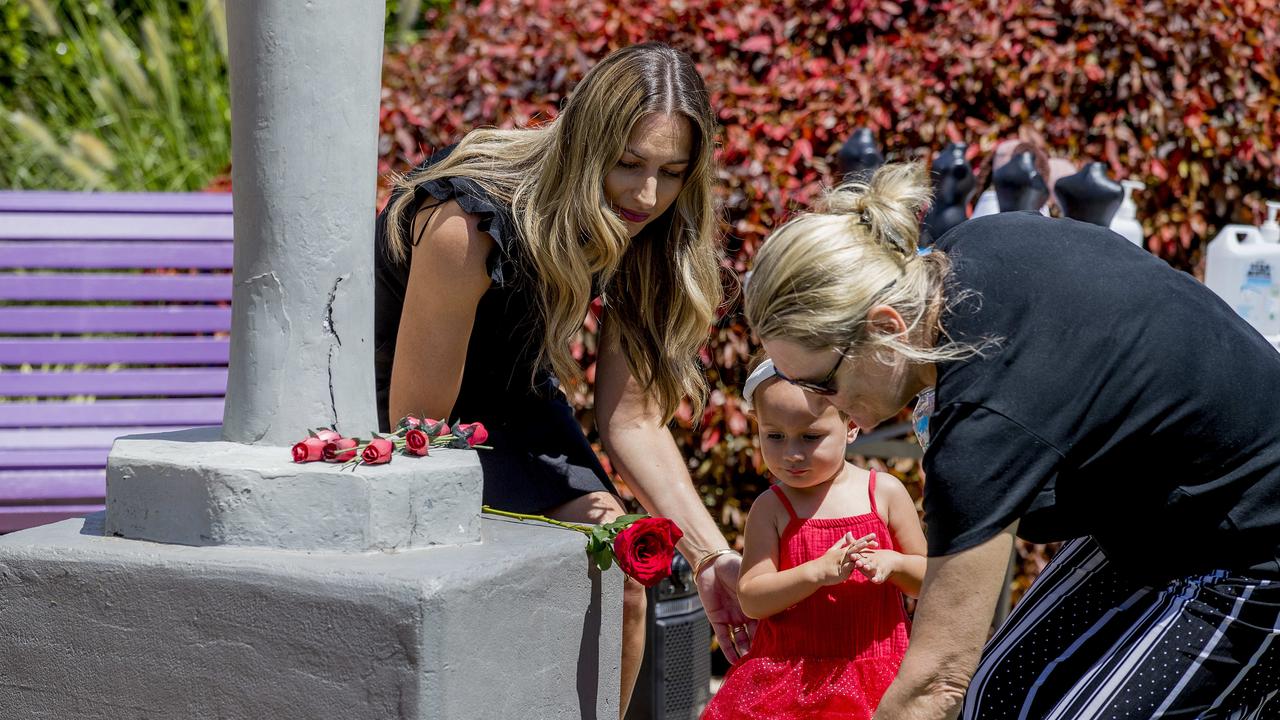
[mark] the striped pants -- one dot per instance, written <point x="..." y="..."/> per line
<point x="1086" y="642"/>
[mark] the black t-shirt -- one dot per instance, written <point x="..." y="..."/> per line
<point x="1119" y="398"/>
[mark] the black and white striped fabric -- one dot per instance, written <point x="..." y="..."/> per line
<point x="1087" y="642"/>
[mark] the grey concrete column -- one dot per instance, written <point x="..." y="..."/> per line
<point x="305" y="82"/>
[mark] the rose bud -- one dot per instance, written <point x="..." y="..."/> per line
<point x="378" y="451"/>
<point x="475" y="433"/>
<point x="417" y="443"/>
<point x="308" y="450"/>
<point x="644" y="549"/>
<point x="340" y="450"/>
<point x="408" y="422"/>
<point x="328" y="434"/>
<point x="435" y="428"/>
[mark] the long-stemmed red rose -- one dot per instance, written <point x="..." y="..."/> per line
<point x="642" y="546"/>
<point x="645" y="547"/>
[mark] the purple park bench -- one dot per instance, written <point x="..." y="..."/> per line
<point x="114" y="315"/>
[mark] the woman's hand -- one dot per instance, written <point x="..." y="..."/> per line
<point x="718" y="589"/>
<point x="837" y="564"/>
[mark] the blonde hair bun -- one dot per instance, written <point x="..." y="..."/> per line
<point x="889" y="204"/>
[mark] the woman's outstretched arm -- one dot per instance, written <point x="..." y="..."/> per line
<point x="957" y="602"/>
<point x="643" y="451"/>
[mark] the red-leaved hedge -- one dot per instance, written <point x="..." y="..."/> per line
<point x="1182" y="94"/>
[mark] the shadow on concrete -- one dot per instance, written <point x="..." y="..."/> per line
<point x="589" y="653"/>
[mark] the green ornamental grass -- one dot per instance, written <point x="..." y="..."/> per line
<point x="125" y="95"/>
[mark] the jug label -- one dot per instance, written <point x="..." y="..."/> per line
<point x="1260" y="298"/>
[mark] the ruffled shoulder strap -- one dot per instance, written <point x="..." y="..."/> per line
<point x="494" y="217"/>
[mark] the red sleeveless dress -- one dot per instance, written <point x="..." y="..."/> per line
<point x="833" y="654"/>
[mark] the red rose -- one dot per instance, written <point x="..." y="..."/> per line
<point x="339" y="450"/>
<point x="435" y="428"/>
<point x="475" y="433"/>
<point x="417" y="443"/>
<point x="328" y="435"/>
<point x="408" y="422"/>
<point x="644" y="549"/>
<point x="308" y="450"/>
<point x="378" y="451"/>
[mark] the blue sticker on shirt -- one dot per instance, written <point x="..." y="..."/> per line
<point x="920" y="417"/>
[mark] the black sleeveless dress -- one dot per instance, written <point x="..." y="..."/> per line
<point x="540" y="457"/>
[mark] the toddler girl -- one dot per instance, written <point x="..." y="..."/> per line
<point x="830" y="548"/>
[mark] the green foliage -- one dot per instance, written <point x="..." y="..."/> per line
<point x="127" y="94"/>
<point x="113" y="95"/>
<point x="408" y="19"/>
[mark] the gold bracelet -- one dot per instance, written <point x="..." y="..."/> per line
<point x="705" y="559"/>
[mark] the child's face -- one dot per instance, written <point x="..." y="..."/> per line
<point x="803" y="438"/>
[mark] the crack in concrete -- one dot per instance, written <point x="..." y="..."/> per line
<point x="331" y="329"/>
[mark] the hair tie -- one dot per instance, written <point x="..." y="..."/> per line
<point x="759" y="375"/>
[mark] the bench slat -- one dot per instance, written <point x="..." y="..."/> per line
<point x="29" y="516"/>
<point x="103" y="351"/>
<point x="131" y="202"/>
<point x="111" y="255"/>
<point x="74" y="437"/>
<point x="177" y="383"/>
<point x="95" y="286"/>
<point x="35" y="459"/>
<point x="196" y="411"/>
<point x="114" y="226"/>
<point x="42" y="486"/>
<point x="65" y="319"/>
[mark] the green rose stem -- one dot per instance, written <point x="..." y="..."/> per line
<point x="584" y="529"/>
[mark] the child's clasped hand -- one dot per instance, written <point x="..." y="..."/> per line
<point x="838" y="563"/>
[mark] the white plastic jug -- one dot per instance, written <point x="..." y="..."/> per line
<point x="1270" y="228"/>
<point x="1246" y="273"/>
<point x="1125" y="221"/>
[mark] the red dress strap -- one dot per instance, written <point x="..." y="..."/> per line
<point x="785" y="502"/>
<point x="871" y="490"/>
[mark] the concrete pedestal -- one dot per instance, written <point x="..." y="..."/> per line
<point x="191" y="488"/>
<point x="98" y="627"/>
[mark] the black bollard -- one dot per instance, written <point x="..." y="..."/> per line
<point x="1089" y="195"/>
<point x="859" y="156"/>
<point x="953" y="183"/>
<point x="1020" y="185"/>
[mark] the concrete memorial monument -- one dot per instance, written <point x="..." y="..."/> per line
<point x="226" y="581"/>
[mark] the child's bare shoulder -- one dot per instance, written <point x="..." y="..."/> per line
<point x="767" y="506"/>
<point x="888" y="489"/>
<point x="767" y="501"/>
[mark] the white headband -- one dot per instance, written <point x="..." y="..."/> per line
<point x="762" y="373"/>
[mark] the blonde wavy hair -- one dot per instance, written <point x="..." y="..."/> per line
<point x="663" y="286"/>
<point x="816" y="277"/>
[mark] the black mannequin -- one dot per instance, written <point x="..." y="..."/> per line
<point x="859" y="156"/>
<point x="1019" y="185"/>
<point x="1089" y="195"/>
<point x="953" y="183"/>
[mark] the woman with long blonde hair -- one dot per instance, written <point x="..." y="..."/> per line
<point x="1068" y="386"/>
<point x="489" y="257"/>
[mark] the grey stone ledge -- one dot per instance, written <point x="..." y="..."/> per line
<point x="191" y="488"/>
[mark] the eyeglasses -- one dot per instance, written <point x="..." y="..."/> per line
<point x="823" y="387"/>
